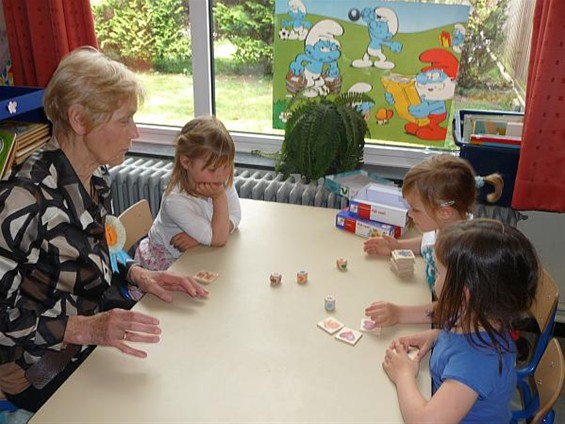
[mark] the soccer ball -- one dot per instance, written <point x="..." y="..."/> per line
<point x="284" y="34"/>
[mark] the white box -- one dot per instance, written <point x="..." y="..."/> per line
<point x="380" y="203"/>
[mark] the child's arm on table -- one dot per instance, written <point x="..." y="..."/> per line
<point x="386" y="314"/>
<point x="386" y="244"/>
<point x="451" y="402"/>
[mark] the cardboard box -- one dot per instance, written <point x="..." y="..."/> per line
<point x="344" y="220"/>
<point x="380" y="203"/>
<point x="347" y="184"/>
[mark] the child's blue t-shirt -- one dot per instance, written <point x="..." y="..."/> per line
<point x="455" y="358"/>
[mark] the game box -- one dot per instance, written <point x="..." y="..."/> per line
<point x="487" y="159"/>
<point x="346" y="221"/>
<point x="380" y="203"/>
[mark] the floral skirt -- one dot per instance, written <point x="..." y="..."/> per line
<point x="151" y="256"/>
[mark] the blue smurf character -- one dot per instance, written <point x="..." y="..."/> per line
<point x="298" y="23"/>
<point x="457" y="38"/>
<point x="383" y="26"/>
<point x="318" y="62"/>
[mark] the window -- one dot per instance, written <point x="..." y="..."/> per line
<point x="241" y="96"/>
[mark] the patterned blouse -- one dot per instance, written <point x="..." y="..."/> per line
<point x="54" y="259"/>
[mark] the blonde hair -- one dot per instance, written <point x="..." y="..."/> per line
<point x="204" y="137"/>
<point x="90" y="79"/>
<point x="448" y="180"/>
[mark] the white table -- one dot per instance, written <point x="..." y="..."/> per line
<point x="252" y="353"/>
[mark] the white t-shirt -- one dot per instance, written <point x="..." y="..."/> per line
<point x="181" y="212"/>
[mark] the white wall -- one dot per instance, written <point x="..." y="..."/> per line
<point x="547" y="232"/>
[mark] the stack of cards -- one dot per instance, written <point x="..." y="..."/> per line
<point x="402" y="262"/>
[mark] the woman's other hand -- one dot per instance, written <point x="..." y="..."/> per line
<point x="162" y="283"/>
<point x="113" y="328"/>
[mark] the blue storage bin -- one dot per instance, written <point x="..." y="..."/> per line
<point x="487" y="159"/>
<point x="22" y="104"/>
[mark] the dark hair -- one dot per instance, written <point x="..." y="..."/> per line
<point x="448" y="179"/>
<point x="499" y="268"/>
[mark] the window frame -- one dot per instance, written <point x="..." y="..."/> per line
<point x="204" y="90"/>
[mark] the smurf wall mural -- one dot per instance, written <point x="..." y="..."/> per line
<point x="403" y="55"/>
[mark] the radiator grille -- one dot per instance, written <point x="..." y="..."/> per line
<point x="140" y="178"/>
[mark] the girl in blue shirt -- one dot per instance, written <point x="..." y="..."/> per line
<point x="486" y="277"/>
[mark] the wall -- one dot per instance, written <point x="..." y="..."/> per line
<point x="547" y="232"/>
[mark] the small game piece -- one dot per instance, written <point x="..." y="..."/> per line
<point x="301" y="277"/>
<point x="206" y="277"/>
<point x="275" y="278"/>
<point x="348" y="335"/>
<point x="341" y="264"/>
<point x="330" y="325"/>
<point x="369" y="326"/>
<point x="329" y="303"/>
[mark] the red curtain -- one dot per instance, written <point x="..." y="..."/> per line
<point x="41" y="32"/>
<point x="540" y="180"/>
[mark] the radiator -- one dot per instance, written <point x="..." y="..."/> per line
<point x="141" y="178"/>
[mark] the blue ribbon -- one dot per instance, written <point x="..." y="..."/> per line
<point x="119" y="257"/>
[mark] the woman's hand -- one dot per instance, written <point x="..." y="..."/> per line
<point x="182" y="242"/>
<point x="113" y="328"/>
<point x="384" y="314"/>
<point x="424" y="341"/>
<point x="161" y="283"/>
<point x="397" y="364"/>
<point x="380" y="245"/>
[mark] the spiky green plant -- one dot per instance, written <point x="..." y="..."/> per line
<point x="323" y="136"/>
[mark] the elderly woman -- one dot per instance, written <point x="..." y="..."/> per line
<point x="54" y="259"/>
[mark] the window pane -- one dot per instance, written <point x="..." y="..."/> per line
<point x="152" y="38"/>
<point x="243" y="52"/>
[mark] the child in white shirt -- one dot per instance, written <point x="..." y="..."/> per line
<point x="200" y="204"/>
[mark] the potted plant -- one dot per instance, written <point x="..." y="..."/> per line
<point x="324" y="136"/>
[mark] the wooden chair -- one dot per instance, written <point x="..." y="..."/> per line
<point x="548" y="382"/>
<point x="137" y="221"/>
<point x="543" y="311"/>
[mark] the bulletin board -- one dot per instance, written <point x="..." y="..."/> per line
<point x="403" y="55"/>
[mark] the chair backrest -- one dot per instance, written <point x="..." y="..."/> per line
<point x="137" y="221"/>
<point x="547" y="297"/>
<point x="543" y="310"/>
<point x="549" y="376"/>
